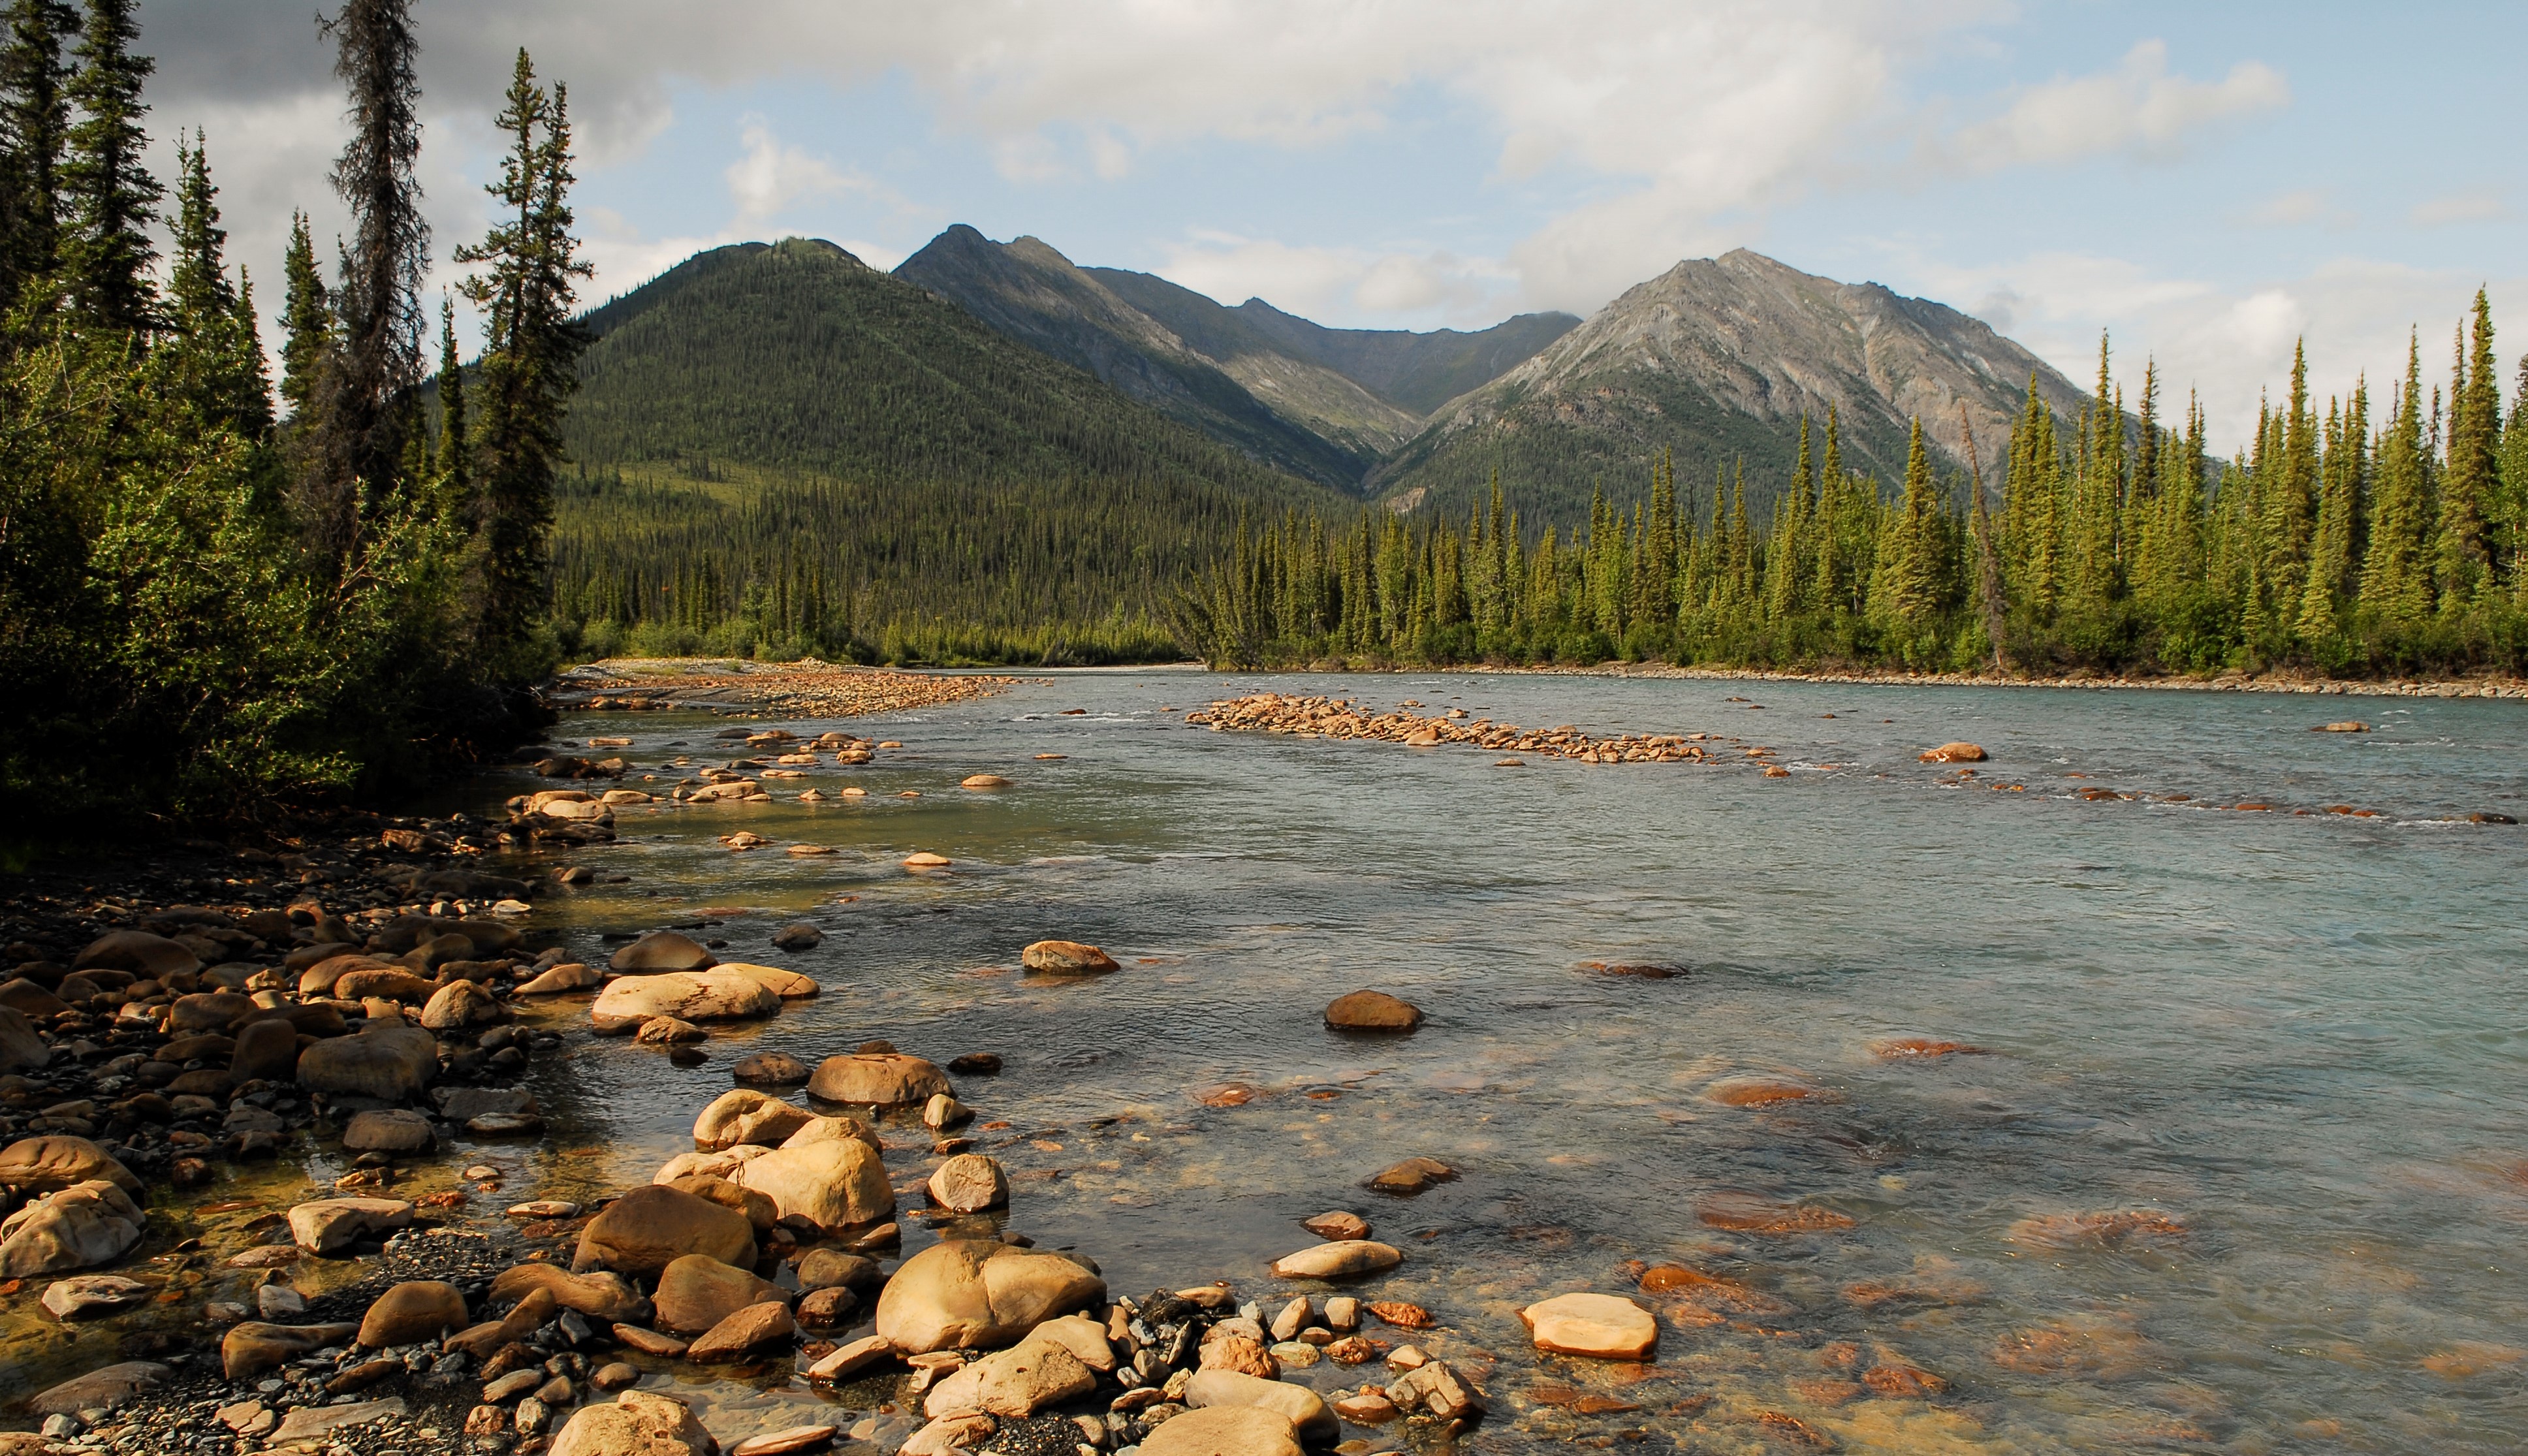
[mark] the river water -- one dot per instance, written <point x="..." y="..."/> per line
<point x="2293" y="1044"/>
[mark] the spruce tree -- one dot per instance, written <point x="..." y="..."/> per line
<point x="306" y="322"/>
<point x="2396" y="571"/>
<point x="107" y="191"/>
<point x="353" y="452"/>
<point x="2462" y="545"/>
<point x="455" y="447"/>
<point x="34" y="133"/>
<point x="2289" y="500"/>
<point x="212" y="359"/>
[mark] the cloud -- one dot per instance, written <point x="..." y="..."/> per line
<point x="1432" y="285"/>
<point x="772" y="179"/>
<point x="2232" y="344"/>
<point x="2138" y="110"/>
<point x="2299" y="207"/>
<point x="2478" y="205"/>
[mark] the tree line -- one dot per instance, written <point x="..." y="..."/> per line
<point x="2353" y="540"/>
<point x="209" y="606"/>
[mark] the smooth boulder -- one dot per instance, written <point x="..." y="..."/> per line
<point x="392" y="1063"/>
<point x="834" y="1183"/>
<point x="769" y="1070"/>
<point x="1066" y="958"/>
<point x="1372" y="1010"/>
<point x="389" y="1130"/>
<point x="1341" y="1259"/>
<point x="650" y="1227"/>
<point x="748" y="1331"/>
<point x="83" y="1295"/>
<point x="1018" y="1381"/>
<point x="683" y="996"/>
<point x="20" y="1049"/>
<point x="661" y="951"/>
<point x="789" y="985"/>
<point x="638" y="1424"/>
<point x="1604" y="1326"/>
<point x="81" y="1226"/>
<point x="599" y="1295"/>
<point x="330" y="1225"/>
<point x="1225" y="1430"/>
<point x="50" y="1164"/>
<point x="250" y="1349"/>
<point x="969" y="1183"/>
<point x="1302" y="1406"/>
<point x="102" y="1390"/>
<point x="746" y="1116"/>
<point x="878" y="1079"/>
<point x="966" y="1295"/>
<point x="266" y="1051"/>
<point x="459" y="1004"/>
<point x="413" y="1311"/>
<point x="146" y="956"/>
<point x="696" y="1292"/>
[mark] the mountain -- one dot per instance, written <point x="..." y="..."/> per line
<point x="1716" y="359"/>
<point x="1325" y="404"/>
<point x="783" y="413"/>
<point x="799" y="356"/>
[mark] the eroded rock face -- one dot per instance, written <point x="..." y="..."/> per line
<point x="834" y="1183"/>
<point x="746" y="1116"/>
<point x="638" y="1424"/>
<point x="967" y="1295"/>
<point x="878" y="1079"/>
<point x="81" y="1226"/>
<point x="685" y="996"/>
<point x="661" y="951"/>
<point x="392" y="1063"/>
<point x="1602" y="1327"/>
<point x="646" y="1230"/>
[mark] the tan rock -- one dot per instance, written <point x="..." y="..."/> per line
<point x="1302" y="1406"/>
<point x="1372" y="1010"/>
<point x="146" y="956"/>
<point x="48" y="1165"/>
<point x="81" y="1226"/>
<point x="746" y="1116"/>
<point x="1225" y="1430"/>
<point x="787" y="1439"/>
<point x="82" y="1296"/>
<point x="834" y="1182"/>
<point x="1243" y="1353"/>
<point x="687" y="995"/>
<point x="661" y="951"/>
<point x="531" y="1314"/>
<point x="668" y="1031"/>
<point x="1343" y="1259"/>
<point x="789" y="985"/>
<point x="696" y="1293"/>
<point x="388" y="1130"/>
<point x="392" y="1063"/>
<point x="104" y="1390"/>
<point x="1018" y="1381"/>
<point x="1953" y="753"/>
<point x="1412" y="1175"/>
<point x="601" y="1296"/>
<point x="1604" y="1326"/>
<point x="878" y="1079"/>
<point x="459" y="1004"/>
<point x="949" y="1435"/>
<point x="330" y="1225"/>
<point x="747" y="1332"/>
<point x="758" y="1209"/>
<point x="648" y="1228"/>
<point x="561" y="979"/>
<point x="969" y="1183"/>
<point x="770" y="1068"/>
<point x="413" y="1311"/>
<point x="250" y="1349"/>
<point x="638" y="1424"/>
<point x="833" y="1130"/>
<point x="965" y="1294"/>
<point x="1066" y="958"/>
<point x="862" y="1354"/>
<point x="1338" y="1225"/>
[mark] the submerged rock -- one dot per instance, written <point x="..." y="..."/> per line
<point x="1602" y="1327"/>
<point x="1372" y="1010"/>
<point x="1953" y="753"/>
<point x="879" y="1079"/>
<point x="1066" y="958"/>
<point x="661" y="951"/>
<point x="1343" y="1259"/>
<point x="1412" y="1175"/>
<point x="770" y="1068"/>
<point x="686" y="996"/>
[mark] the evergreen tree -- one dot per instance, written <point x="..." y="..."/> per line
<point x="2290" y="503"/>
<point x="108" y="192"/>
<point x="213" y="355"/>
<point x="2396" y="571"/>
<point x="2462" y="543"/>
<point x="306" y="322"/>
<point x="354" y="451"/>
<point x="454" y="446"/>
<point x="34" y="133"/>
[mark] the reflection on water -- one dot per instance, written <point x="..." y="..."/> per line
<point x="1976" y="1121"/>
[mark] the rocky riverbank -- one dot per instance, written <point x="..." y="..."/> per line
<point x="805" y="687"/>
<point x="2226" y="682"/>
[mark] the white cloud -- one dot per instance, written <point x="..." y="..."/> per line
<point x="1431" y="286"/>
<point x="2299" y="207"/>
<point x="2478" y="205"/>
<point x="2138" y="110"/>
<point x="771" y="179"/>
<point x="2233" y="344"/>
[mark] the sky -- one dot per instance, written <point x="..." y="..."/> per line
<point x="2207" y="183"/>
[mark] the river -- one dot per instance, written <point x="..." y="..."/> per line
<point x="2291" y="1044"/>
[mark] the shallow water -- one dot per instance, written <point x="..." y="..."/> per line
<point x="2299" y="1038"/>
